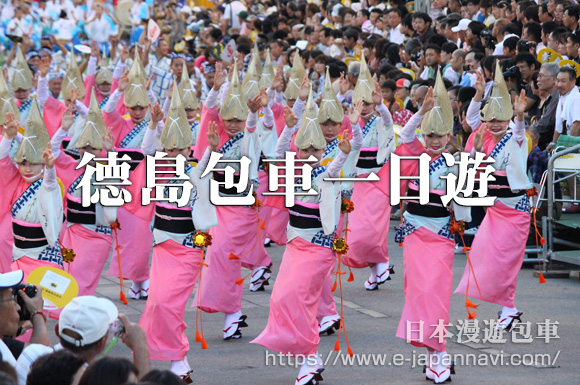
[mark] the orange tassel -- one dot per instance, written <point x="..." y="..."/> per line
<point x="123" y="299"/>
<point x="468" y="303"/>
<point x="350" y="277"/>
<point x="233" y="256"/>
<point x="542" y="241"/>
<point x="542" y="279"/>
<point x="264" y="225"/>
<point x="197" y="336"/>
<point x="204" y="344"/>
<point x="337" y="346"/>
<point x="241" y="280"/>
<point x="471" y="315"/>
<point x="401" y="244"/>
<point x="334" y="286"/>
<point x="349" y="351"/>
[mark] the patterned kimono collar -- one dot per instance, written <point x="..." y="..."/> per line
<point x="25" y="106"/>
<point x="104" y="102"/>
<point x="330" y="147"/>
<point x="368" y="125"/>
<point x="135" y="137"/>
<point x="500" y="145"/>
<point x="25" y="197"/>
<point x="230" y="143"/>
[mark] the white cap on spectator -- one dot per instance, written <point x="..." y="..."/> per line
<point x="88" y="316"/>
<point x="11" y="279"/>
<point x="462" y="26"/>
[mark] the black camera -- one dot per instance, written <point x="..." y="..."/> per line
<point x="30" y="291"/>
<point x="416" y="57"/>
<point x="466" y="67"/>
<point x="512" y="72"/>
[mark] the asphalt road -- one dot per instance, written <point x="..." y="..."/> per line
<point x="372" y="318"/>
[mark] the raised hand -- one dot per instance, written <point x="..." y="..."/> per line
<point x="480" y="83"/>
<point x="355" y="112"/>
<point x="289" y="117"/>
<point x="108" y="140"/>
<point x="124" y="81"/>
<point x="220" y="77"/>
<point x="344" y="143"/>
<point x="156" y="114"/>
<point x="68" y="118"/>
<point x="48" y="158"/>
<point x="44" y="66"/>
<point x="212" y="136"/>
<point x="124" y="54"/>
<point x="304" y="88"/>
<point x="95" y="49"/>
<point x="74" y="95"/>
<point x="479" y="137"/>
<point x="255" y="103"/>
<point x="277" y="81"/>
<point x="428" y="103"/>
<point x="10" y="129"/>
<point x="150" y="79"/>
<point x="264" y="96"/>
<point x="520" y="103"/>
<point x="377" y="95"/>
<point x="343" y="84"/>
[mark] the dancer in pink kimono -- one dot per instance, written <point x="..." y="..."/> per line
<point x="309" y="256"/>
<point x="135" y="235"/>
<point x="235" y="238"/>
<point x="499" y="246"/>
<point x="367" y="240"/>
<point x="428" y="246"/>
<point x="31" y="194"/>
<point x="87" y="230"/>
<point x="177" y="256"/>
<point x="72" y="91"/>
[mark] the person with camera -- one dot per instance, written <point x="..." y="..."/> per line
<point x="21" y="308"/>
<point x="528" y="70"/>
<point x="85" y="324"/>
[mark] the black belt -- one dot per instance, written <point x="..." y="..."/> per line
<point x="136" y="157"/>
<point x="76" y="213"/>
<point x="503" y="192"/>
<point x="35" y="235"/>
<point x="368" y="163"/>
<point x="221" y="178"/>
<point x="302" y="222"/>
<point x="178" y="221"/>
<point x="430" y="211"/>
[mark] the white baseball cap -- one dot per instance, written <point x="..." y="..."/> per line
<point x="88" y="316"/>
<point x="462" y="26"/>
<point x="11" y="279"/>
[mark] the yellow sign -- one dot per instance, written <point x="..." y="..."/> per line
<point x="572" y="64"/>
<point x="58" y="287"/>
<point x="547" y="55"/>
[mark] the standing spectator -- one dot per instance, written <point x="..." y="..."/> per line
<point x="394" y="34"/>
<point x="231" y="18"/>
<point x="545" y="117"/>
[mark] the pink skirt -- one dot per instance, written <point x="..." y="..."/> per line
<point x="369" y="225"/>
<point x="236" y="233"/>
<point x="326" y="305"/>
<point x="428" y="259"/>
<point x="292" y="326"/>
<point x="136" y="239"/>
<point x="174" y="271"/>
<point x="92" y="250"/>
<point x="497" y="254"/>
<point x="27" y="265"/>
<point x="6" y="245"/>
<point x="276" y="228"/>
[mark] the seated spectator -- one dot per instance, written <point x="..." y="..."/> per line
<point x="61" y="367"/>
<point x="84" y="325"/>
<point x="109" y="371"/>
<point x="162" y="377"/>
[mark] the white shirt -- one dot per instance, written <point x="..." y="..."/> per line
<point x="63" y="29"/>
<point x="568" y="110"/>
<point x="395" y="35"/>
<point x="451" y="75"/>
<point x="99" y="29"/>
<point x="499" y="46"/>
<point x="231" y="13"/>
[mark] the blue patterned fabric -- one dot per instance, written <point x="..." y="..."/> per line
<point x="403" y="230"/>
<point x="25" y="197"/>
<point x="134" y="132"/>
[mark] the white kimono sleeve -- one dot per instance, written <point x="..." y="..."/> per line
<point x="51" y="209"/>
